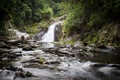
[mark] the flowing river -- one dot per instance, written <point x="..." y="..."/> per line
<point x="47" y="61"/>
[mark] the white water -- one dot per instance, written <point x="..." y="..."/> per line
<point x="19" y="34"/>
<point x="50" y="35"/>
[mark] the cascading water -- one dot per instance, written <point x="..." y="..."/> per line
<point x="59" y="63"/>
<point x="50" y="35"/>
<point x="19" y="34"/>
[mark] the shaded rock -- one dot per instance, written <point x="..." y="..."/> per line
<point x="98" y="65"/>
<point x="10" y="55"/>
<point x="101" y="50"/>
<point x="21" y="73"/>
<point x="17" y="42"/>
<point x="23" y="40"/>
<point x="34" y="46"/>
<point x="13" y="42"/>
<point x="60" y="52"/>
<point x="34" y="65"/>
<point x="32" y="61"/>
<point x="64" y="53"/>
<point x="4" y="55"/>
<point x="85" y="44"/>
<point x="28" y="74"/>
<point x="20" y="45"/>
<point x="12" y="68"/>
<point x="114" y="65"/>
<point x="4" y="64"/>
<point x="102" y="47"/>
<point x="27" y="48"/>
<point x="84" y="54"/>
<point x="39" y="35"/>
<point x="116" y="49"/>
<point x="4" y="45"/>
<point x="4" y="50"/>
<point x="52" y="62"/>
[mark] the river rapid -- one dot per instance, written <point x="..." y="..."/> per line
<point x="48" y="61"/>
<point x="24" y="59"/>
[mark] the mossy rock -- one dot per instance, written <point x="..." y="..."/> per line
<point x="42" y="60"/>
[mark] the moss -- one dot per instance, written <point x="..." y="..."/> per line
<point x="36" y="27"/>
<point x="44" y="23"/>
<point x="95" y="39"/>
<point x="31" y="29"/>
<point x="107" y="35"/>
<point x="70" y="42"/>
<point x="42" y="60"/>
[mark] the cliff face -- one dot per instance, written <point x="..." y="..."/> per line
<point x="109" y="34"/>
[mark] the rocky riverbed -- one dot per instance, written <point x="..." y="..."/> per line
<point x="31" y="60"/>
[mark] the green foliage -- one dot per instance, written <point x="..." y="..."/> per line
<point x="30" y="11"/>
<point x="47" y="13"/>
<point x="37" y="27"/>
<point x="88" y="17"/>
<point x="32" y="29"/>
<point x="55" y="5"/>
<point x="6" y="10"/>
<point x="44" y="24"/>
<point x="93" y="12"/>
<point x="42" y="60"/>
<point x="70" y="42"/>
<point x="27" y="12"/>
<point x="74" y="16"/>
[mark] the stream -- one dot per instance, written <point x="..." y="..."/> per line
<point x="55" y="63"/>
<point x="43" y="60"/>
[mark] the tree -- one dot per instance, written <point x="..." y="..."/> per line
<point x="31" y="11"/>
<point x="6" y="11"/>
<point x="94" y="13"/>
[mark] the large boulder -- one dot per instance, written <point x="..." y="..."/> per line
<point x="58" y="32"/>
<point x="39" y="35"/>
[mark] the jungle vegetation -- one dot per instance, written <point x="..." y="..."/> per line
<point x="88" y="18"/>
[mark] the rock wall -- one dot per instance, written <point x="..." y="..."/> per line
<point x="108" y="34"/>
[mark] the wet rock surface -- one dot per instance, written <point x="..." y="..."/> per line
<point x="31" y="62"/>
<point x="27" y="48"/>
<point x="4" y="45"/>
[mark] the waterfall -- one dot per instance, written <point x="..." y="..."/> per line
<point x="50" y="35"/>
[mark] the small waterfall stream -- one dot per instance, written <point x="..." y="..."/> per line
<point x="19" y="34"/>
<point x="50" y="35"/>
